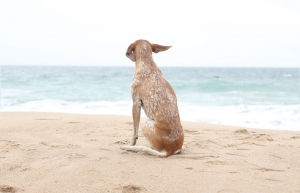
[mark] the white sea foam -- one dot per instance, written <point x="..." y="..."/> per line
<point x="102" y="107"/>
<point x="287" y="75"/>
<point x="262" y="117"/>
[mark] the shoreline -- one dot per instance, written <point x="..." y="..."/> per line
<point x="143" y="116"/>
<point x="58" y="152"/>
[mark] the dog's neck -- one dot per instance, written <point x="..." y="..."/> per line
<point x="144" y="60"/>
<point x="146" y="66"/>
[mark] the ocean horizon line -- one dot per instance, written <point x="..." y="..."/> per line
<point x="161" y="66"/>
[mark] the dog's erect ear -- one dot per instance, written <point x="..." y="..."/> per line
<point x="130" y="52"/>
<point x="159" y="48"/>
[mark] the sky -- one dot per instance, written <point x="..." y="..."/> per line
<point x="202" y="33"/>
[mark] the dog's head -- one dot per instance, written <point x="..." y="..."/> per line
<point x="143" y="47"/>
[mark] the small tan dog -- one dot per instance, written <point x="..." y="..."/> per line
<point x="155" y="95"/>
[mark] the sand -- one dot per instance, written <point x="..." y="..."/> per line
<point x="53" y="152"/>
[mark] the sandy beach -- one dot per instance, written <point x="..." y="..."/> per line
<point x="53" y="152"/>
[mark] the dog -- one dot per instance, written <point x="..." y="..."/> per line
<point x="152" y="92"/>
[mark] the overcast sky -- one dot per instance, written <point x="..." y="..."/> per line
<point x="235" y="33"/>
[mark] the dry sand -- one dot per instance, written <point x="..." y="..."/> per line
<point x="52" y="152"/>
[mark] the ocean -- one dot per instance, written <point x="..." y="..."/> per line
<point x="264" y="98"/>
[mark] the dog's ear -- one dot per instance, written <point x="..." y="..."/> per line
<point x="130" y="52"/>
<point x="159" y="48"/>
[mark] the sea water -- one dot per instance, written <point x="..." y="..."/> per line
<point x="266" y="98"/>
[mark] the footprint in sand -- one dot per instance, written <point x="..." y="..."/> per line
<point x="9" y="189"/>
<point x="268" y="169"/>
<point x="122" y="142"/>
<point x="244" y="134"/>
<point x="9" y="145"/>
<point x="14" y="167"/>
<point x="44" y="143"/>
<point x="244" y="131"/>
<point x="132" y="189"/>
<point x="295" y="137"/>
<point x="75" y="155"/>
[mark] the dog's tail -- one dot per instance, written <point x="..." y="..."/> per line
<point x="144" y="149"/>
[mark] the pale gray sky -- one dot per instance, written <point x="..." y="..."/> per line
<point x="236" y="33"/>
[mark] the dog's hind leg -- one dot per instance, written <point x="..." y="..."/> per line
<point x="149" y="132"/>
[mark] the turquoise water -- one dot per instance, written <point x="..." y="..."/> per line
<point x="251" y="97"/>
